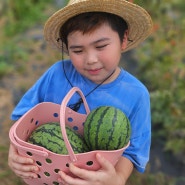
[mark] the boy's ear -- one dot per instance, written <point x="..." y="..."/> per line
<point x="125" y="40"/>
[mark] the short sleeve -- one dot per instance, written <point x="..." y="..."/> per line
<point x="139" y="150"/>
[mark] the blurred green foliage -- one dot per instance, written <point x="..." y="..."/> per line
<point x="162" y="69"/>
<point x="23" y="14"/>
<point x="17" y="17"/>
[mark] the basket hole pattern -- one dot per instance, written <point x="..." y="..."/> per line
<point x="54" y="183"/>
<point x="55" y="115"/>
<point x="67" y="165"/>
<point x="47" y="174"/>
<point x="70" y="119"/>
<point x="56" y="170"/>
<point x="89" y="163"/>
<point x="36" y="121"/>
<point x="39" y="163"/>
<point x="75" y="128"/>
<point x="49" y="161"/>
<point x="29" y="153"/>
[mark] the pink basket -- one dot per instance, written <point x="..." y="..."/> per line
<point x="48" y="162"/>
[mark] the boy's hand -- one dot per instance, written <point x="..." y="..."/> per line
<point x="22" y="166"/>
<point x="106" y="175"/>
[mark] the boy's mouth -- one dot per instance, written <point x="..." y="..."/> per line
<point x="94" y="71"/>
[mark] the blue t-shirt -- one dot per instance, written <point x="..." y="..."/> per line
<point x="126" y="93"/>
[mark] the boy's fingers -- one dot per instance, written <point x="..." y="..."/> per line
<point x="26" y="168"/>
<point x="15" y="157"/>
<point x="22" y="160"/>
<point x="87" y="174"/>
<point x="105" y="164"/>
<point x="25" y="171"/>
<point x="26" y="175"/>
<point x="79" y="172"/>
<point x="66" y="179"/>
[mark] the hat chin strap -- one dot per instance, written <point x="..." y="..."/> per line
<point x="77" y="105"/>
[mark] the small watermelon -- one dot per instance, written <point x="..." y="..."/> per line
<point x="50" y="137"/>
<point x="107" y="128"/>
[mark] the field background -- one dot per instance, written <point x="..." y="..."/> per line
<point x="159" y="63"/>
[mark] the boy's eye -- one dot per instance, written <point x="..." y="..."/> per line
<point x="101" y="46"/>
<point x="77" y="51"/>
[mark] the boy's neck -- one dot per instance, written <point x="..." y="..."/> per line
<point x="114" y="75"/>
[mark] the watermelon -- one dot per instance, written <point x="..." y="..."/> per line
<point x="107" y="128"/>
<point x="50" y="137"/>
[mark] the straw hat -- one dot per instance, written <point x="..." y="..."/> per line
<point x="138" y="20"/>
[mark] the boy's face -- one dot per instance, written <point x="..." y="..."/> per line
<point x="97" y="54"/>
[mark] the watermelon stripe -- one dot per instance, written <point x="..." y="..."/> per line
<point x="106" y="128"/>
<point x="119" y="129"/>
<point x="100" y="120"/>
<point x="128" y="131"/>
<point x="111" y="137"/>
<point x="50" y="137"/>
<point x="89" y="129"/>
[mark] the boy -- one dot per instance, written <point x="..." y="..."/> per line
<point x="94" y="33"/>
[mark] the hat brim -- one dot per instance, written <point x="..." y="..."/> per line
<point x="139" y="21"/>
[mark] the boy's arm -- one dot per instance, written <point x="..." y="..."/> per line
<point x="124" y="168"/>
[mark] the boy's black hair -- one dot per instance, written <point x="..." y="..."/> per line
<point x="88" y="22"/>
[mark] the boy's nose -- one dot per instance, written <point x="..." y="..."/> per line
<point x="91" y="59"/>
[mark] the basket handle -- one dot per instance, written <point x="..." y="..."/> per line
<point x="62" y="118"/>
